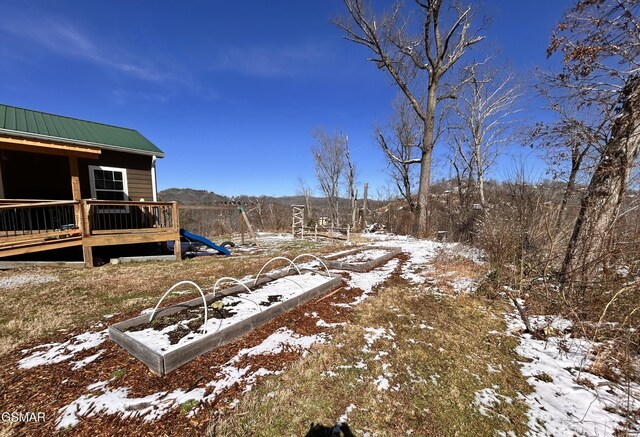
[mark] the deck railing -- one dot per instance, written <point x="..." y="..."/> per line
<point x="41" y="219"/>
<point x="28" y="226"/>
<point x="105" y="217"/>
<point x="26" y="219"/>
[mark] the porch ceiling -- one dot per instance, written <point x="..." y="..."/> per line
<point x="46" y="147"/>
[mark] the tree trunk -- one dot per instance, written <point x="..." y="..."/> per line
<point x="601" y="203"/>
<point x="364" y="205"/>
<point x="354" y="210"/>
<point x="483" y="202"/>
<point x="569" y="189"/>
<point x="427" y="152"/>
<point x="407" y="194"/>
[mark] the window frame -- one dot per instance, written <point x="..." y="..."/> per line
<point x="94" y="191"/>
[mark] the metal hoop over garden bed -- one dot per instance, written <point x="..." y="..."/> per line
<point x="167" y="339"/>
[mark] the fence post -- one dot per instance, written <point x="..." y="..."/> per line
<point x="177" y="250"/>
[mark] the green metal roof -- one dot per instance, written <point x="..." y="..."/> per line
<point x="41" y="125"/>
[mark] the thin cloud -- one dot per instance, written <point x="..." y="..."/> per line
<point x="272" y="62"/>
<point x="65" y="39"/>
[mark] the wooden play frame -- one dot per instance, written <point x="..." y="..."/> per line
<point x="163" y="363"/>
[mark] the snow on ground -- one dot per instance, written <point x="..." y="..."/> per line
<point x="103" y="400"/>
<point x="487" y="399"/>
<point x="464" y="285"/>
<point x="421" y="253"/>
<point x="560" y="405"/>
<point x="116" y="401"/>
<point x="276" y="342"/>
<point x="90" y="359"/>
<point x="25" y="279"/>
<point x="568" y="400"/>
<point x="268" y="237"/>
<point x="362" y="256"/>
<point x="53" y="353"/>
<point x="368" y="281"/>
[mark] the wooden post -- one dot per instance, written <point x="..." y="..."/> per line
<point x="177" y="249"/>
<point x="85" y="226"/>
<point x="348" y="232"/>
<point x="75" y="189"/>
<point x="249" y="228"/>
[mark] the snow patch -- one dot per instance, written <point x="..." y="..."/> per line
<point x="154" y="406"/>
<point x="53" y="353"/>
<point x="560" y="405"/>
<point x="80" y="364"/>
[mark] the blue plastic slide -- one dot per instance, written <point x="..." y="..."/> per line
<point x="208" y="243"/>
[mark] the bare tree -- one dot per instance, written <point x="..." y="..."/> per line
<point x="600" y="42"/>
<point x="401" y="148"/>
<point x="463" y="174"/>
<point x="350" y="179"/>
<point x="482" y="126"/>
<point x="416" y="49"/>
<point x="305" y="191"/>
<point x="329" y="159"/>
<point x="570" y="142"/>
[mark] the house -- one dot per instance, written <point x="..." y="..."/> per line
<point x="66" y="182"/>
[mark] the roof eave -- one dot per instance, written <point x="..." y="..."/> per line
<point x="159" y="154"/>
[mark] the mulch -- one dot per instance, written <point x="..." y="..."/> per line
<point x="41" y="389"/>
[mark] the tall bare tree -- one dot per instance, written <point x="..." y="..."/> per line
<point x="483" y="122"/>
<point x="600" y="43"/>
<point x="305" y="191"/>
<point x="328" y="153"/>
<point x="350" y="179"/>
<point x="416" y="48"/>
<point x="401" y="146"/>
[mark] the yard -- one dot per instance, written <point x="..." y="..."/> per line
<point x="408" y="348"/>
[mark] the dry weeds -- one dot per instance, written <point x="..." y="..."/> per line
<point x="436" y="354"/>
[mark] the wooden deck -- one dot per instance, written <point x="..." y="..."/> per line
<point x="28" y="226"/>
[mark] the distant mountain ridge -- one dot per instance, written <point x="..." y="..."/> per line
<point x="189" y="196"/>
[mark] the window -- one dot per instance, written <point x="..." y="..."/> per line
<point x="108" y="183"/>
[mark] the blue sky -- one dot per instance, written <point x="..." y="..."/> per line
<point x="231" y="90"/>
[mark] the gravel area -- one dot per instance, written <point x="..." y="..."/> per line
<point x="24" y="279"/>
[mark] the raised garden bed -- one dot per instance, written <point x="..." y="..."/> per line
<point x="361" y="259"/>
<point x="175" y="334"/>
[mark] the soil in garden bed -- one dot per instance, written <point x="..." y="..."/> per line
<point x="272" y="299"/>
<point x="186" y="321"/>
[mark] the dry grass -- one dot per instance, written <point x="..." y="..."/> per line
<point x="437" y="353"/>
<point x="34" y="311"/>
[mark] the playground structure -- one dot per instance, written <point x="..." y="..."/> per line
<point x="191" y="245"/>
<point x="300" y="231"/>
<point x="197" y="217"/>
